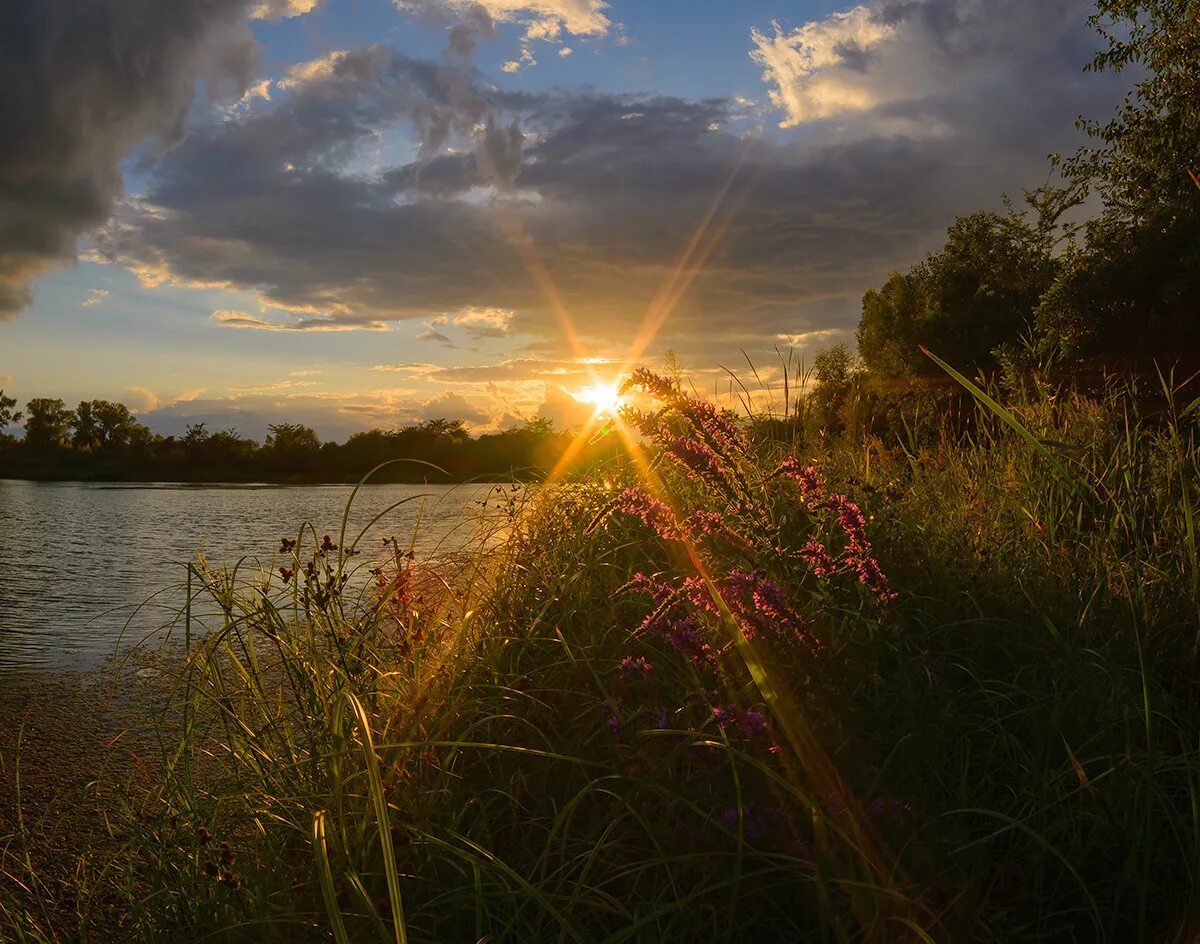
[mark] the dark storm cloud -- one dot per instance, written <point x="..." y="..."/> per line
<point x="80" y="84"/>
<point x="599" y="193"/>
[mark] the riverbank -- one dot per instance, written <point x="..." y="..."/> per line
<point x="739" y="692"/>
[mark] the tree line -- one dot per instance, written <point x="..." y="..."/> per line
<point x="104" y="441"/>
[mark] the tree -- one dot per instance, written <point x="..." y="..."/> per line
<point x="116" y="425"/>
<point x="85" y="432"/>
<point x="103" y="424"/>
<point x="293" y="447"/>
<point x="48" y="423"/>
<point x="1132" y="289"/>
<point x="980" y="291"/>
<point x="835" y="373"/>
<point x="8" y="415"/>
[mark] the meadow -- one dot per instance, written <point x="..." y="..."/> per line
<point x="742" y="682"/>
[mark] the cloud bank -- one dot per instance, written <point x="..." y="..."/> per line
<point x="83" y="83"/>
<point x="912" y="111"/>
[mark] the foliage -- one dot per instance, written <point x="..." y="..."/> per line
<point x="47" y="424"/>
<point x="975" y="294"/>
<point x="1130" y="292"/>
<point x="9" y="415"/>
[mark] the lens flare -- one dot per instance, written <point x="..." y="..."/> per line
<point x="605" y="397"/>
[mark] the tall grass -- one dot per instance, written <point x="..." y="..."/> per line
<point x="672" y="701"/>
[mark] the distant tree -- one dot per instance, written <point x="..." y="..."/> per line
<point x="980" y="291"/>
<point x="195" y="437"/>
<point x="103" y="424"/>
<point x="292" y="447"/>
<point x="116" y="425"/>
<point x="85" y="431"/>
<point x="47" y="424"/>
<point x="9" y="415"/>
<point x="835" y="372"/>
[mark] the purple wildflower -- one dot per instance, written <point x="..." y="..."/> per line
<point x="753" y="722"/>
<point x="817" y="556"/>
<point x="654" y="514"/>
<point x="698" y="458"/>
<point x="706" y="522"/>
<point x="660" y="590"/>
<point x="658" y="386"/>
<point x="750" y="722"/>
<point x="613" y="722"/>
<point x="684" y="636"/>
<point x="812" y="489"/>
<point x="631" y="667"/>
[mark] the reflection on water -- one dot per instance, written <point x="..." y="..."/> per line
<point x="76" y="560"/>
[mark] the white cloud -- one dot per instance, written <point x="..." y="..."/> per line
<point x="95" y="296"/>
<point x="304" y="72"/>
<point x="565" y="51"/>
<point x="453" y="406"/>
<point x="809" y="67"/>
<point x="5" y="379"/>
<point x="524" y="62"/>
<point x="810" y="338"/>
<point x="282" y="9"/>
<point x="542" y="19"/>
<point x="485" y="322"/>
<point x="141" y="399"/>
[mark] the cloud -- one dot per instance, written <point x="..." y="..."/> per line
<point x="430" y="334"/>
<point x="907" y="61"/>
<point x="452" y="406"/>
<point x="282" y="9"/>
<point x="333" y="415"/>
<point x="602" y="192"/>
<point x="5" y="379"/>
<point x="811" y="66"/>
<point x="240" y="319"/>
<point x="485" y="322"/>
<point x="563" y="410"/>
<point x="95" y="296"/>
<point x="273" y="387"/>
<point x="542" y="19"/>
<point x="83" y="84"/>
<point x="814" y="339"/>
<point x="141" y="399"/>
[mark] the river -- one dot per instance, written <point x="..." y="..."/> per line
<point x="87" y="568"/>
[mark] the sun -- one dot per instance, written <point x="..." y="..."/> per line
<point x="605" y="397"/>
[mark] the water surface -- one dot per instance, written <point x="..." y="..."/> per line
<point x="76" y="559"/>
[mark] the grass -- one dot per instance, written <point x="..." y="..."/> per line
<point x="527" y="742"/>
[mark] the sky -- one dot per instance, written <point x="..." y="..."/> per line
<point x="366" y="213"/>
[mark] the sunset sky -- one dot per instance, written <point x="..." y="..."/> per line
<point x="357" y="213"/>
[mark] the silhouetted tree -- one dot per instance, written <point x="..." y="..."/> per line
<point x="47" y="424"/>
<point x="835" y="373"/>
<point x="292" y="447"/>
<point x="977" y="293"/>
<point x="1131" y="289"/>
<point x="9" y="415"/>
<point x="85" y="431"/>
